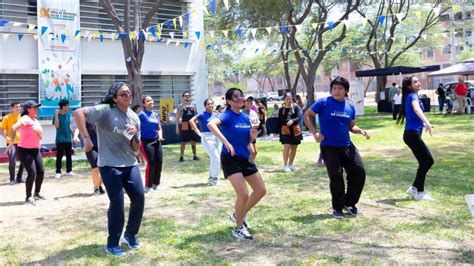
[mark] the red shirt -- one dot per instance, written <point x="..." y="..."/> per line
<point x="461" y="89"/>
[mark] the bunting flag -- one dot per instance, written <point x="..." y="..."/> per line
<point x="240" y="32"/>
<point x="186" y="18"/>
<point x="172" y="35"/>
<point x="168" y="42"/>
<point x="3" y="23"/>
<point x="283" y="29"/>
<point x="5" y="37"/>
<point x="436" y="10"/>
<point x="212" y="7"/>
<point x="43" y="30"/>
<point x="456" y="8"/>
<point x="177" y="43"/>
<point x="225" y="32"/>
<point x="180" y="20"/>
<point x="253" y="32"/>
<point x="204" y="8"/>
<point x="77" y="34"/>
<point x="418" y="14"/>
<point x="31" y="27"/>
<point x="174" y="23"/>
<point x="330" y="25"/>
<point x="226" y="4"/>
<point x="399" y="16"/>
<point x="142" y="36"/>
<point x="298" y="27"/>
<point x="314" y="25"/>
<point x="186" y="44"/>
<point x="256" y="50"/>
<point x="364" y="22"/>
<point x="35" y="36"/>
<point x="63" y="38"/>
<point x="153" y="31"/>
<point x="211" y="33"/>
<point x="17" y="24"/>
<point x="381" y="20"/>
<point x="269" y="30"/>
<point x="20" y="36"/>
<point x="185" y="34"/>
<point x="101" y="37"/>
<point x="198" y="34"/>
<point x="168" y="25"/>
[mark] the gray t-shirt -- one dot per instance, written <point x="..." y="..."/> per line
<point x="114" y="146"/>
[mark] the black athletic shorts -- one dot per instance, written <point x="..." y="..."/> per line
<point x="188" y="135"/>
<point x="92" y="156"/>
<point x="236" y="164"/>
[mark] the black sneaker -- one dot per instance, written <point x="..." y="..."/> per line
<point x="338" y="214"/>
<point x="38" y="196"/>
<point x="101" y="190"/>
<point x="352" y="210"/>
<point x="196" y="158"/>
<point x="241" y="233"/>
<point x="181" y="159"/>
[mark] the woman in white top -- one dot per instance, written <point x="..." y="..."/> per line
<point x="397" y="102"/>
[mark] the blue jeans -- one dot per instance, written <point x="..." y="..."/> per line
<point x="441" y="103"/>
<point x="116" y="179"/>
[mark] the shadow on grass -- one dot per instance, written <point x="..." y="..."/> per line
<point x="215" y="238"/>
<point x="63" y="256"/>
<point x="11" y="203"/>
<point x="194" y="185"/>
<point x="311" y="218"/>
<point x="393" y="202"/>
<point x="75" y="195"/>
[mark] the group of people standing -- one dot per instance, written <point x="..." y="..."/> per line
<point x="113" y="134"/>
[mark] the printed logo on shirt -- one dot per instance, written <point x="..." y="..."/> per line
<point x="340" y="114"/>
<point x="242" y="125"/>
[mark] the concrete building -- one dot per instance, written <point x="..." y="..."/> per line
<point x="167" y="70"/>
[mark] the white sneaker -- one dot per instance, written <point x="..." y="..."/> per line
<point x="286" y="169"/>
<point x="412" y="191"/>
<point x="241" y="233"/>
<point x="57" y="176"/>
<point x="424" y="196"/>
<point x="71" y="173"/>
<point x="292" y="167"/>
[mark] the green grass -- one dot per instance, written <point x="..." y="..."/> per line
<point x="186" y="221"/>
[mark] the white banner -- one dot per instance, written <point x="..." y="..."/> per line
<point x="59" y="54"/>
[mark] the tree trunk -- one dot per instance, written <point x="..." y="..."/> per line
<point x="381" y="82"/>
<point x="309" y="82"/>
<point x="295" y="84"/>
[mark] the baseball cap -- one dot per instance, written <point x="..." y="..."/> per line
<point x="30" y="103"/>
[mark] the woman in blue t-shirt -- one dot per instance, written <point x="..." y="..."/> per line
<point x="412" y="110"/>
<point x="151" y="138"/>
<point x="236" y="133"/>
<point x="210" y="143"/>
<point x="336" y="119"/>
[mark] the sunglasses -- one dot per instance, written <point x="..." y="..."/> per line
<point x="125" y="94"/>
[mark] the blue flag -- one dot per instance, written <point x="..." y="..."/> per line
<point x="63" y="37"/>
<point x="20" y="36"/>
<point x="43" y="30"/>
<point x="198" y="34"/>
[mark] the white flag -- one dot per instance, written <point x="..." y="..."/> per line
<point x="269" y="30"/>
<point x="254" y="32"/>
<point x="5" y="37"/>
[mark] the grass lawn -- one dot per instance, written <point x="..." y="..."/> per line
<point x="186" y="221"/>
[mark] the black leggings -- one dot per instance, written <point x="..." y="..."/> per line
<point x="336" y="159"/>
<point x="412" y="139"/>
<point x="33" y="163"/>
<point x="153" y="154"/>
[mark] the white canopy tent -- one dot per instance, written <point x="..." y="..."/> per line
<point x="465" y="68"/>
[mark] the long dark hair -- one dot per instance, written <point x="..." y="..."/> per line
<point x="406" y="89"/>
<point x="229" y="93"/>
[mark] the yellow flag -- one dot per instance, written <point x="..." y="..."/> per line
<point x="225" y="32"/>
<point x="174" y="23"/>
<point x="31" y="27"/>
<point x="185" y="34"/>
<point x="457" y="8"/>
<point x="35" y="36"/>
<point x="418" y="14"/>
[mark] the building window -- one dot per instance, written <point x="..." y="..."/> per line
<point x="94" y="87"/>
<point x="17" y="88"/>
<point x="447" y="50"/>
<point x="430" y="52"/>
<point x="467" y="33"/>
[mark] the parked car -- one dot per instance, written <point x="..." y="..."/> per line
<point x="273" y="96"/>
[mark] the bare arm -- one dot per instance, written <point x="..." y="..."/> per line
<point x="80" y="117"/>
<point x="417" y="109"/>
<point x="3" y="134"/>
<point x="357" y="130"/>
<point x="308" y="118"/>
<point x="193" y="124"/>
<point x="56" y="119"/>
<point x="15" y="127"/>
<point x="178" y="116"/>
<point x="213" y="126"/>
<point x="160" y="133"/>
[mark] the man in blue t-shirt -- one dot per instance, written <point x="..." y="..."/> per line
<point x="64" y="132"/>
<point x="336" y="119"/>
